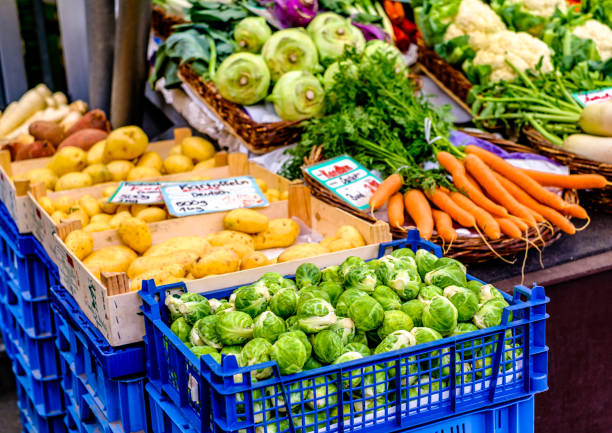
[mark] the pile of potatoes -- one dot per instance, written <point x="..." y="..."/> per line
<point x="122" y="155"/>
<point x="238" y="247"/>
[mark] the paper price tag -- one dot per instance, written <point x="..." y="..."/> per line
<point x="347" y="179"/>
<point x="593" y="96"/>
<point x="192" y="198"/>
<point x="138" y="193"/>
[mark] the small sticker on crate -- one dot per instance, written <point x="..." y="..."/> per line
<point x="194" y="389"/>
<point x="138" y="193"/>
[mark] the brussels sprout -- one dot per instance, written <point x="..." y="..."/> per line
<point x="373" y="338"/>
<point x="427" y="293"/>
<point x="403" y="253"/>
<point x="395" y="341"/>
<point x="348" y="264"/>
<point x="361" y="278"/>
<point x="360" y="337"/>
<point x="311" y="292"/>
<point x="269" y="326"/>
<point x="346" y="299"/>
<point x="257" y="351"/>
<point x="333" y="290"/>
<point x="252" y="300"/>
<point x="271" y="282"/>
<point x="251" y="33"/>
<point x="445" y="261"/>
<point x="302" y="337"/>
<point x="366" y="313"/>
<point x="284" y="303"/>
<point x="291" y="323"/>
<point x="243" y="78"/>
<point x="330" y="274"/>
<point x="394" y="320"/>
<point x="290" y="50"/>
<point x="490" y="314"/>
<point x="234" y="327"/>
<point x="311" y="364"/>
<point x="203" y="350"/>
<point x="306" y="275"/>
<point x="401" y="275"/>
<point x="426" y="386"/>
<point x="289" y="353"/>
<point x="231" y="350"/>
<point x="192" y="297"/>
<point x="327" y="346"/>
<point x="324" y="393"/>
<point x="440" y="314"/>
<point x="414" y="308"/>
<point x="218" y="305"/>
<point x="425" y="261"/>
<point x="315" y="315"/>
<point x="466" y="348"/>
<point x="286" y="283"/>
<point x="474" y="286"/>
<point x="204" y="332"/>
<point x="424" y="335"/>
<point x="181" y="329"/>
<point x="375" y="381"/>
<point x="449" y="275"/>
<point x="358" y="347"/>
<point x="355" y="381"/>
<point x="193" y="311"/>
<point x="172" y="303"/>
<point x="464" y="301"/>
<point x="345" y="328"/>
<point x="387" y="298"/>
<point x="487" y="293"/>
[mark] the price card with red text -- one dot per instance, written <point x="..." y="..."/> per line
<point x="347" y="179"/>
<point x="138" y="193"/>
<point x="593" y="96"/>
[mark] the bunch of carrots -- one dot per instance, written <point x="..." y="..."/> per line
<point x="491" y="196"/>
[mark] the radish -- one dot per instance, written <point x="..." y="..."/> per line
<point x="589" y="146"/>
<point x="596" y="119"/>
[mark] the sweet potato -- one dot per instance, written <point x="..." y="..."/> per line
<point x="84" y="139"/>
<point x="95" y="119"/>
<point x="37" y="149"/>
<point x="49" y="131"/>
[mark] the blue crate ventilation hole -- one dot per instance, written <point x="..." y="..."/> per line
<point x="387" y="392"/>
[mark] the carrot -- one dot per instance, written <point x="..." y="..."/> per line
<point x="385" y="190"/>
<point x="485" y="177"/>
<point x="475" y="184"/>
<point x="394" y="11"/>
<point x="445" y="203"/>
<point x="444" y="226"/>
<point x="419" y="210"/>
<point x="550" y="214"/>
<point x="483" y="218"/>
<point x="518" y="177"/>
<point x="519" y="223"/>
<point x="395" y="210"/>
<point x="576" y="211"/>
<point x="467" y="184"/>
<point x="568" y="181"/>
<point x="508" y="227"/>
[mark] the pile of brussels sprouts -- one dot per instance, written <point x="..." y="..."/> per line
<point x="339" y="314"/>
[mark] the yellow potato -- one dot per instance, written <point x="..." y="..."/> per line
<point x="120" y="216"/>
<point x="78" y="213"/>
<point x="224" y="237"/>
<point x="263" y="186"/>
<point x="109" y="190"/>
<point x="301" y="251"/>
<point x="352" y="235"/>
<point x="159" y="276"/>
<point x="119" y="169"/>
<point x="127" y="142"/>
<point x="64" y="203"/>
<point x="67" y="160"/>
<point x="44" y="175"/>
<point x="151" y="214"/>
<point x="254" y="260"/>
<point x="135" y="208"/>
<point x="245" y="220"/>
<point x="281" y="232"/>
<point x="90" y="205"/>
<point x="99" y="226"/>
<point x="106" y="207"/>
<point x="58" y="216"/>
<point x="80" y="243"/>
<point x="135" y="234"/>
<point x="326" y="241"/>
<point x="221" y="261"/>
<point x="141" y="173"/>
<point x="338" y="245"/>
<point x="96" y="152"/>
<point x="204" y="165"/>
<point x="177" y="164"/>
<point x="197" y="148"/>
<point x="240" y="249"/>
<point x="175" y="150"/>
<point x="116" y="258"/>
<point x="99" y="173"/>
<point x="145" y="263"/>
<point x="196" y="244"/>
<point x="151" y="159"/>
<point x="273" y="193"/>
<point x="284" y="195"/>
<point x="100" y="218"/>
<point x="47" y="204"/>
<point x="73" y="181"/>
<point x="123" y="208"/>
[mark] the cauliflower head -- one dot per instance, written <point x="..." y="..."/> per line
<point x="600" y="33"/>
<point x="477" y="20"/>
<point x="541" y="8"/>
<point x="522" y="49"/>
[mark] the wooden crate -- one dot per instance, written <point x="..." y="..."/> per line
<point x="114" y="310"/>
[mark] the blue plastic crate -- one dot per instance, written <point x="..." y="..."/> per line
<point x="34" y="316"/>
<point x="391" y="391"/>
<point x="46" y="394"/>
<point x="32" y="420"/>
<point x="165" y="417"/>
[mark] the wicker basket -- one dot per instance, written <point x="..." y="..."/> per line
<point x="162" y="23"/>
<point x="468" y="249"/>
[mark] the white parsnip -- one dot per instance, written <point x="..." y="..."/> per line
<point x="31" y="102"/>
<point x="596" y="119"/>
<point x="590" y="146"/>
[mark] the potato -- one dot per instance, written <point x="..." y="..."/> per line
<point x="245" y="220"/>
<point x="64" y="203"/>
<point x="141" y="173"/>
<point x="254" y="260"/>
<point x="90" y="205"/>
<point x="263" y="186"/>
<point x="177" y="164"/>
<point x="197" y="148"/>
<point x="273" y="194"/>
<point x="145" y="263"/>
<point x="44" y="175"/>
<point x="83" y="139"/>
<point x="181" y="243"/>
<point x="73" y="181"/>
<point x="159" y="276"/>
<point x="281" y="232"/>
<point x="151" y="214"/>
<point x="205" y="165"/>
<point x="58" y="216"/>
<point x="119" y="169"/>
<point x="284" y="195"/>
<point x="135" y="208"/>
<point x="67" y="160"/>
<point x="100" y="218"/>
<point x="338" y="245"/>
<point x="135" y="234"/>
<point x="175" y="150"/>
<point x="120" y="216"/>
<point x="99" y="173"/>
<point x="106" y="207"/>
<point x="80" y="243"/>
<point x="116" y="258"/>
<point x="127" y="142"/>
<point x="123" y="208"/>
<point x="94" y="155"/>
<point x="328" y="240"/>
<point x="224" y="237"/>
<point x="78" y="213"/>
<point x="99" y="226"/>
<point x="151" y="159"/>
<point x="109" y="190"/>
<point x="301" y="251"/>
<point x="352" y="235"/>
<point x="47" y="204"/>
<point x="221" y="261"/>
<point x="240" y="249"/>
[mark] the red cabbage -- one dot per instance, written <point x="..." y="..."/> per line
<point x="294" y="13"/>
<point x="372" y="31"/>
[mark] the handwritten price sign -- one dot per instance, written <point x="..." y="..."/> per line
<point x="593" y="96"/>
<point x="347" y="179"/>
<point x="192" y="198"/>
<point x="139" y="193"/>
